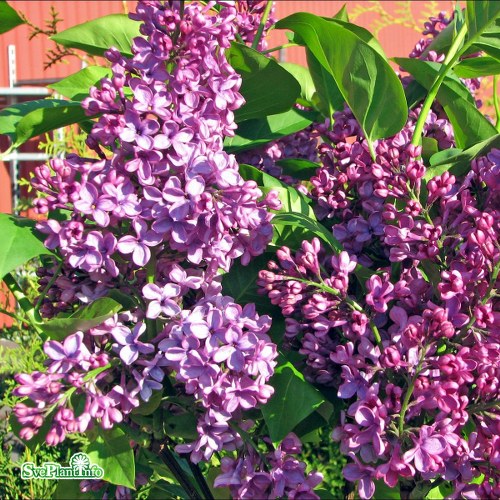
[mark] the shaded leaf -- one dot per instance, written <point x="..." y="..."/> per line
<point x="314" y="228"/>
<point x="267" y="87"/>
<point x="148" y="407"/>
<point x="240" y="283"/>
<point x="11" y="115"/>
<point x="429" y="148"/>
<point x="45" y="119"/>
<point x="20" y="242"/>
<point x="298" y="168"/>
<point x="475" y="67"/>
<point x="483" y="27"/>
<point x="414" y="93"/>
<point x="86" y="317"/>
<point x="111" y="450"/>
<point x="328" y="97"/>
<point x="303" y="76"/>
<point x="251" y="173"/>
<point x="98" y="35"/>
<point x="293" y="400"/>
<point x="255" y="133"/>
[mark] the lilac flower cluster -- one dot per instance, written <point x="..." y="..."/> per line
<point x="282" y="476"/>
<point x="249" y="15"/>
<point x="156" y="217"/>
<point x="415" y="358"/>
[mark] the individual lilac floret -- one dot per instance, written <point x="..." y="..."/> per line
<point x="161" y="300"/>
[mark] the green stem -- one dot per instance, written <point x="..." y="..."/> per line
<point x="451" y="58"/>
<point x="262" y="25"/>
<point x="32" y="315"/>
<point x="48" y="287"/>
<point x="279" y="47"/>
<point x="372" y="149"/>
<point x="409" y="393"/>
<point x="495" y="102"/>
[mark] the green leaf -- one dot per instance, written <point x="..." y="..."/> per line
<point x="98" y="35"/>
<point x="240" y="283"/>
<point x="9" y="18"/>
<point x="84" y="318"/>
<point x="303" y="76"/>
<point x="475" y="67"/>
<point x="111" y="451"/>
<point x="361" y="33"/>
<point x="457" y="161"/>
<point x="255" y="133"/>
<point x="267" y="87"/>
<point x="383" y="491"/>
<point x="328" y="97"/>
<point x="148" y="407"/>
<point x="251" y="173"/>
<point x="483" y="23"/>
<point x="293" y="400"/>
<point x="45" y="119"/>
<point x="20" y="242"/>
<point x="313" y="227"/>
<point x="469" y="124"/>
<point x="298" y="168"/>
<point x="443" y="490"/>
<point x="342" y="15"/>
<point x="429" y="148"/>
<point x="76" y="86"/>
<point x="11" y="115"/>
<point x="364" y="77"/>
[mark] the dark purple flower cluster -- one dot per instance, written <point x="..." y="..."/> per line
<point x="282" y="475"/>
<point x="156" y="216"/>
<point x="414" y="348"/>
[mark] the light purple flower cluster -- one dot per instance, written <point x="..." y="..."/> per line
<point x="156" y="216"/>
<point x="222" y="354"/>
<point x="282" y="475"/>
